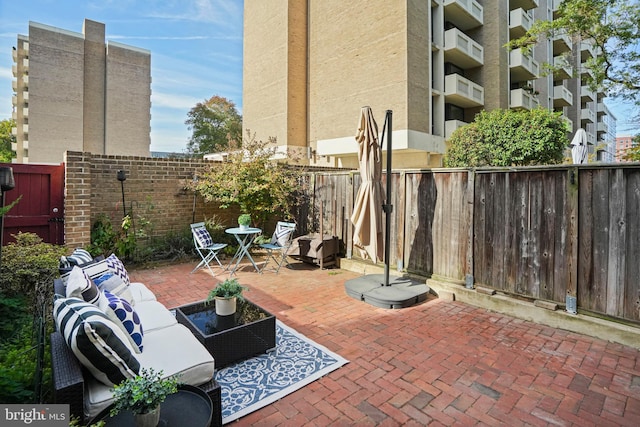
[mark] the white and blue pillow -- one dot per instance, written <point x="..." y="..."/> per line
<point x="203" y="237"/>
<point x="80" y="286"/>
<point x="122" y="313"/>
<point x="98" y="343"/>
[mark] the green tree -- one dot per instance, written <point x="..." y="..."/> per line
<point x="215" y="125"/>
<point x="509" y="138"/>
<point x="633" y="153"/>
<point x="613" y="26"/>
<point x="252" y="180"/>
<point x="6" y="138"/>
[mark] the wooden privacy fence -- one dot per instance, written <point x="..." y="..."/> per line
<point x="537" y="232"/>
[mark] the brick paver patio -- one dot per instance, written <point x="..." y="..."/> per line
<point x="437" y="363"/>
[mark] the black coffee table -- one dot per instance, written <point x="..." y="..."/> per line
<point x="190" y="406"/>
<point x="248" y="332"/>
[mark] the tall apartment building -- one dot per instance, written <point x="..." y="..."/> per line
<point x="75" y="92"/>
<point x="309" y="66"/>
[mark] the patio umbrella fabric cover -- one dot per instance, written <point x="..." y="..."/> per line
<point x="367" y="208"/>
<point x="579" y="147"/>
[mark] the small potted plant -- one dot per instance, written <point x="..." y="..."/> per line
<point x="142" y="395"/>
<point x="244" y="220"/>
<point x="226" y="295"/>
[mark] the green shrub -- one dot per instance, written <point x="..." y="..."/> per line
<point x="26" y="263"/>
<point x="509" y="138"/>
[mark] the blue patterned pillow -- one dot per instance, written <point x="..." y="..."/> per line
<point x="97" y="342"/>
<point x="117" y="267"/>
<point x="122" y="313"/>
<point x="203" y="237"/>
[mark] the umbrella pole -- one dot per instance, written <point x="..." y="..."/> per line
<point x="387" y="207"/>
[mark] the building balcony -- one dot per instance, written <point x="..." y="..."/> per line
<point x="519" y="23"/>
<point x="25" y="79"/>
<point x="14" y="115"/>
<point x="25" y="96"/>
<point x="601" y="110"/>
<point x="562" y="97"/>
<point x="561" y="43"/>
<point x="463" y="92"/>
<point x="14" y="55"/>
<point x="14" y="131"/>
<point x="464" y="14"/>
<point x="602" y="127"/>
<point x="569" y="122"/>
<point x="451" y="125"/>
<point x="585" y="72"/>
<point x="591" y="138"/>
<point x="14" y="85"/>
<point x="587" y="115"/>
<point x="522" y="67"/>
<point x="524" y="4"/>
<point x="563" y="69"/>
<point x="462" y="50"/>
<point x="521" y="99"/>
<point x="25" y="128"/>
<point x="586" y="94"/>
<point x="14" y="100"/>
<point x="25" y="112"/>
<point x="586" y="50"/>
<point x="555" y="7"/>
<point x="14" y="70"/>
<point x="25" y="144"/>
<point x="14" y="146"/>
<point x="25" y="64"/>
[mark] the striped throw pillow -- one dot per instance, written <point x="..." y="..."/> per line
<point x="80" y="286"/>
<point x="98" y="343"/>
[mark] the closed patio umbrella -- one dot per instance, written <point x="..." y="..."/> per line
<point x="366" y="216"/>
<point x="579" y="147"/>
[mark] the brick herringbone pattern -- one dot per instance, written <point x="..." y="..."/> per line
<point x="440" y="363"/>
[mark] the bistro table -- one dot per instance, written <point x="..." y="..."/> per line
<point x="245" y="237"/>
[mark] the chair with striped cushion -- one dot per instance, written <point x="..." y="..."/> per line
<point x="279" y="246"/>
<point x="205" y="246"/>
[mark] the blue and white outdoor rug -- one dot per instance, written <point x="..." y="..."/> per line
<point x="254" y="383"/>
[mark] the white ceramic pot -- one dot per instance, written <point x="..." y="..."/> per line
<point x="150" y="419"/>
<point x="244" y="227"/>
<point x="225" y="306"/>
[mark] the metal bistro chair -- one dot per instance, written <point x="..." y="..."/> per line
<point x="205" y="246"/>
<point x="280" y="244"/>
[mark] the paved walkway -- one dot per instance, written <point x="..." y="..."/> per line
<point x="439" y="363"/>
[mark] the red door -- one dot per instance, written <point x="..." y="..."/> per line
<point x="41" y="209"/>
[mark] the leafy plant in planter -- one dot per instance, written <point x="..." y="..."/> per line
<point x="144" y="393"/>
<point x="225" y="295"/>
<point x="244" y="220"/>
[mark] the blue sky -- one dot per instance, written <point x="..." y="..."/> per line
<point x="196" y="50"/>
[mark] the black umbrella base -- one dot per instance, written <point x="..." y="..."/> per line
<point x="402" y="292"/>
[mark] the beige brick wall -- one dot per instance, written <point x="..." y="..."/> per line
<point x="56" y="68"/>
<point x="153" y="189"/>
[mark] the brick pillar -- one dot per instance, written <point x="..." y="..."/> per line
<point x="77" y="201"/>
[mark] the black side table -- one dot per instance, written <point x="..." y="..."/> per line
<point x="190" y="406"/>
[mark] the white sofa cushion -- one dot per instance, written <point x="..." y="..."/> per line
<point x="173" y="350"/>
<point x="153" y="315"/>
<point x="139" y="292"/>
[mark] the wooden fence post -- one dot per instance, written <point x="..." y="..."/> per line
<point x="471" y="184"/>
<point x="572" y="286"/>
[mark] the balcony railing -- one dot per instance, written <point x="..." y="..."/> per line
<point x="586" y="50"/>
<point x="591" y="138"/>
<point x="524" y="4"/>
<point x="521" y="99"/>
<point x="464" y="14"/>
<point x="562" y="97"/>
<point x="561" y="43"/>
<point x="462" y="50"/>
<point x="564" y="69"/>
<point x="601" y="109"/>
<point x="569" y="121"/>
<point x="522" y="66"/>
<point x="25" y="128"/>
<point x="586" y="94"/>
<point x="519" y="23"/>
<point x="585" y="72"/>
<point x="603" y="127"/>
<point x="587" y="115"/>
<point x="463" y="92"/>
<point x="14" y="85"/>
<point x="451" y="125"/>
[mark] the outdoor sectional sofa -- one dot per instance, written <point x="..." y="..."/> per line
<point x="90" y="351"/>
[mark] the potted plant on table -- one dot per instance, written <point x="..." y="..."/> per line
<point x="225" y="295"/>
<point x="142" y="395"/>
<point x="244" y="220"/>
